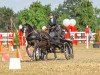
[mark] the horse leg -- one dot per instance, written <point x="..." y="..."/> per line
<point x="54" y="51"/>
<point x="46" y="55"/>
<point x="28" y="53"/>
<point x="37" y="53"/>
<point x="33" y="55"/>
<point x="42" y="55"/>
<point x="46" y="52"/>
<point x="27" y="50"/>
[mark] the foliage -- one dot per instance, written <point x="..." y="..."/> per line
<point x="97" y="34"/>
<point x="16" y="38"/>
<point x="96" y="37"/>
<point x="36" y="15"/>
<point x="97" y="13"/>
<point x="5" y="15"/>
<point x="81" y="10"/>
<point x="85" y="14"/>
<point x="62" y="17"/>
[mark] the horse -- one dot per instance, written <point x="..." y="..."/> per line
<point x="39" y="40"/>
<point x="59" y="41"/>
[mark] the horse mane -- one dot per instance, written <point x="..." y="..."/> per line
<point x="29" y="26"/>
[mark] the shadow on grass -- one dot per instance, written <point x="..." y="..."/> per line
<point x="43" y="60"/>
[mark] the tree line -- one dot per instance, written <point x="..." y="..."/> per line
<point x="37" y="15"/>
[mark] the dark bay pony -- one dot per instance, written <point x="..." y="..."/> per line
<point x="59" y="41"/>
<point x="44" y="42"/>
<point x="39" y="40"/>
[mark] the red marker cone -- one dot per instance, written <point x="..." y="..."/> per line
<point x="0" y="47"/>
<point x="5" y="57"/>
<point x="18" y="54"/>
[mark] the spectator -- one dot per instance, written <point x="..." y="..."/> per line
<point x="90" y="33"/>
<point x="88" y="30"/>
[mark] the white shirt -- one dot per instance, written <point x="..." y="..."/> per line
<point x="52" y="20"/>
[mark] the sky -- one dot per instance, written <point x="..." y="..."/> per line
<point x="18" y="5"/>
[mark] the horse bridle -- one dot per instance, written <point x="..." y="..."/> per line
<point x="29" y="32"/>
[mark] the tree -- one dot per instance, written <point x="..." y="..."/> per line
<point x="67" y="7"/>
<point x="81" y="10"/>
<point x="35" y="15"/>
<point x="62" y="17"/>
<point x="5" y="15"/>
<point x="97" y="14"/>
<point x="85" y="14"/>
<point x="66" y="10"/>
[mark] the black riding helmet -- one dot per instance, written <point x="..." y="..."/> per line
<point x="50" y="14"/>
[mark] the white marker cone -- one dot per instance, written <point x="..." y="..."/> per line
<point x="14" y="63"/>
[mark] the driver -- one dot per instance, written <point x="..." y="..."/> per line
<point x="52" y="21"/>
<point x="52" y="25"/>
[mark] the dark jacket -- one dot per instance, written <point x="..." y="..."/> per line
<point x="53" y="23"/>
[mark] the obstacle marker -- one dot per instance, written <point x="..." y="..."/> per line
<point x="14" y="63"/>
<point x="0" y="47"/>
<point x="18" y="54"/>
<point x="9" y="47"/>
<point x="5" y="57"/>
<point x="12" y="49"/>
<point x="0" y="43"/>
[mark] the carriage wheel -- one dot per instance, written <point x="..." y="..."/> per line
<point x="37" y="54"/>
<point x="71" y="50"/>
<point x="66" y="51"/>
<point x="43" y="55"/>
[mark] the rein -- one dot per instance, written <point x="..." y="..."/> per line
<point x="31" y="32"/>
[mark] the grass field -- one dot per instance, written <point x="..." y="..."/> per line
<point x="85" y="62"/>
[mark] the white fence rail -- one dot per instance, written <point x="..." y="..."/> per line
<point x="82" y="36"/>
<point x="5" y="38"/>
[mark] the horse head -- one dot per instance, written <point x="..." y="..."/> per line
<point x="26" y="29"/>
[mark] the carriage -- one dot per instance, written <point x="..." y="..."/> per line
<point x="44" y="43"/>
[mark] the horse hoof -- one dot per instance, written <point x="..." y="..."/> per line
<point x="31" y="60"/>
<point x="55" y="59"/>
